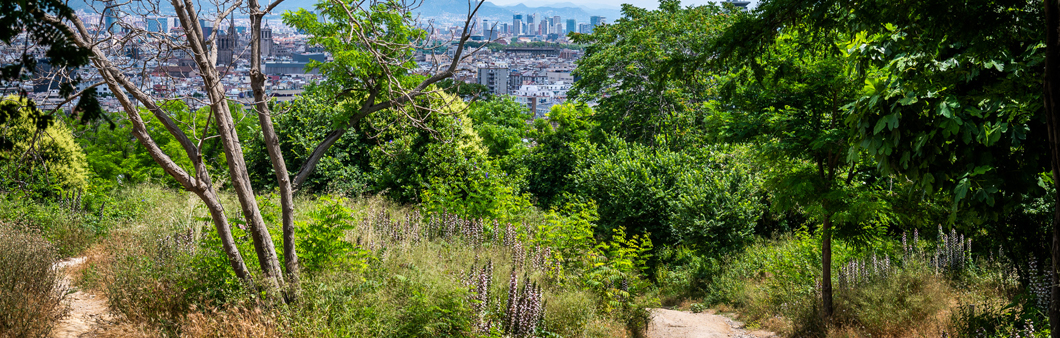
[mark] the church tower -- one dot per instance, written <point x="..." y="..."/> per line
<point x="226" y="45"/>
<point x="266" y="40"/>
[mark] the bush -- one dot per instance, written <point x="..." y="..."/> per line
<point x="157" y="279"/>
<point x="701" y="198"/>
<point x="322" y="241"/>
<point x="30" y="290"/>
<point x="35" y="160"/>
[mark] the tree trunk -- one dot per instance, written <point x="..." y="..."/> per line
<point x="204" y="60"/>
<point x="826" y="269"/>
<point x="272" y="144"/>
<point x="263" y="246"/>
<point x="1052" y="94"/>
<point x="224" y="231"/>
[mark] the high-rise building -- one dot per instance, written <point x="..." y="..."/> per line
<point x="572" y="26"/>
<point x="207" y="28"/>
<point x="584" y="28"/>
<point x="531" y="19"/>
<point x="110" y="17"/>
<point x="157" y="24"/>
<point x="517" y="25"/>
<point x="495" y="79"/>
<point x="596" y="21"/>
<point x="542" y="28"/>
<point x="556" y="21"/>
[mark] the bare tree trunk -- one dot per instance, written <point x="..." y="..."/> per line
<point x="826" y="269"/>
<point x="1052" y="94"/>
<point x="272" y="144"/>
<point x="200" y="184"/>
<point x="204" y="59"/>
<point x="224" y="231"/>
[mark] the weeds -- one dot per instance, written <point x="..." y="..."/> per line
<point x="31" y="293"/>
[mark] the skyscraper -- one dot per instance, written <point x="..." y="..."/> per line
<point x="110" y="17"/>
<point x="531" y="20"/>
<point x="596" y="21"/>
<point x="542" y="28"/>
<point x="572" y="26"/>
<point x="157" y="24"/>
<point x="517" y="25"/>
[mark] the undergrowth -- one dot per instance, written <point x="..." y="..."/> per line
<point x="375" y="269"/>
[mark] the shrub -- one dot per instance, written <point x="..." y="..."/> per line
<point x="30" y="290"/>
<point x="322" y="240"/>
<point x="39" y="161"/>
<point x="701" y="198"/>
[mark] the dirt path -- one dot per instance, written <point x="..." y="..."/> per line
<point x="680" y="324"/>
<point x="87" y="310"/>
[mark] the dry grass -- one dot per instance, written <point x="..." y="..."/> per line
<point x="31" y="292"/>
<point x="231" y="322"/>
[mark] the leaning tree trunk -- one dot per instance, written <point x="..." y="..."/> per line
<point x="204" y="59"/>
<point x="1052" y="94"/>
<point x="272" y="145"/>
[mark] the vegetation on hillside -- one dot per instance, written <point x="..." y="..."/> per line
<point x="818" y="167"/>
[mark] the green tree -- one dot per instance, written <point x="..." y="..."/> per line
<point x="705" y="198"/>
<point x="504" y="127"/>
<point x="795" y="113"/>
<point x="551" y="157"/>
<point x="947" y="102"/>
<point x="646" y="71"/>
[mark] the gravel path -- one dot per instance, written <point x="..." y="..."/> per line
<point x="681" y="324"/>
<point x="87" y="310"/>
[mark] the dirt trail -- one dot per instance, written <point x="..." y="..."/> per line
<point x="87" y="311"/>
<point x="680" y="324"/>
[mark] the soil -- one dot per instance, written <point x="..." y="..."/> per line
<point x="87" y="310"/>
<point x="682" y="324"/>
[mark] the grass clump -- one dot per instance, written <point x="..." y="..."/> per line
<point x="31" y="291"/>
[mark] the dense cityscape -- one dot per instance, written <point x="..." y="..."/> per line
<point x="537" y="77"/>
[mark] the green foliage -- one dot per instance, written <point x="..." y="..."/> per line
<point x="569" y="232"/>
<point x="42" y="158"/>
<point x="552" y="158"/>
<point x="116" y="157"/>
<point x="643" y="73"/>
<point x="502" y="125"/>
<point x="669" y="194"/>
<point x="357" y="68"/>
<point x="322" y="240"/>
<point x="301" y="126"/>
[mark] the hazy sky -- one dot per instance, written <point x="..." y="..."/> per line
<point x="595" y="3"/>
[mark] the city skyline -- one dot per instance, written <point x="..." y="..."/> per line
<point x="600" y="4"/>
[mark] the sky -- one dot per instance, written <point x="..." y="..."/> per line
<point x="651" y="4"/>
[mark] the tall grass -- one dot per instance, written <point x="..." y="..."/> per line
<point x="888" y="288"/>
<point x="31" y="291"/>
<point x="378" y="270"/>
